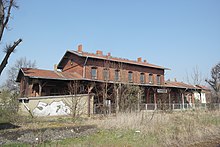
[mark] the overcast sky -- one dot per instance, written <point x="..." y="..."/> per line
<point x="177" y="34"/>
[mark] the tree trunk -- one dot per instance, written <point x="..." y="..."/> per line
<point x="8" y="53"/>
<point x="2" y="16"/>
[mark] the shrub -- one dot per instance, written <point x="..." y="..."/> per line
<point x="8" y="106"/>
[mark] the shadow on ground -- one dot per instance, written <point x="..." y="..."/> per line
<point x="5" y="126"/>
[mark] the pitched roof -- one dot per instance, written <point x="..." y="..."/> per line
<point x="179" y="85"/>
<point x="47" y="74"/>
<point x="110" y="58"/>
<point x="203" y="87"/>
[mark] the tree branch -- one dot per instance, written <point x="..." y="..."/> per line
<point x="8" y="53"/>
<point x="8" y="13"/>
<point x="4" y="20"/>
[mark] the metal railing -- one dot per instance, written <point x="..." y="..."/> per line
<point x="103" y="109"/>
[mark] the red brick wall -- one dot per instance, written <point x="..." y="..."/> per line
<point x="75" y="64"/>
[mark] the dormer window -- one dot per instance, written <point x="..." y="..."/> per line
<point x="130" y="76"/>
<point x="94" y="72"/>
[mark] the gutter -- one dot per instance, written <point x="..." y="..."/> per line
<point x="84" y="67"/>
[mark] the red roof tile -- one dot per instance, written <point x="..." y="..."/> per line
<point x="179" y="85"/>
<point x="49" y="74"/>
<point x="203" y="87"/>
<point x="106" y="57"/>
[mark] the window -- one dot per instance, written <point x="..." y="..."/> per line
<point x="94" y="73"/>
<point x="142" y="78"/>
<point x="117" y="75"/>
<point x="158" y="79"/>
<point x="130" y="76"/>
<point x="106" y="74"/>
<point x="150" y="78"/>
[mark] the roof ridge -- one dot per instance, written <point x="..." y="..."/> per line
<point x="128" y="61"/>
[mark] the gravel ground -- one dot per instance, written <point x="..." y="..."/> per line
<point x="33" y="136"/>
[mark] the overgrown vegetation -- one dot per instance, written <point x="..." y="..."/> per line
<point x="8" y="106"/>
<point x="166" y="129"/>
<point x="180" y="128"/>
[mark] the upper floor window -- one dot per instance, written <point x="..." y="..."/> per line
<point x="130" y="76"/>
<point x="150" y="78"/>
<point x="142" y="78"/>
<point x="94" y="73"/>
<point x="158" y="80"/>
<point x="106" y="74"/>
<point x="117" y="75"/>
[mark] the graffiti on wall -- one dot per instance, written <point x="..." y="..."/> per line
<point x="52" y="109"/>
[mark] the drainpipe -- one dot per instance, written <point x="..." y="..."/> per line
<point x="84" y="67"/>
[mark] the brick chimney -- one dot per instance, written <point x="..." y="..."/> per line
<point x="80" y="48"/>
<point x="109" y="54"/>
<point x="98" y="52"/>
<point x="139" y="59"/>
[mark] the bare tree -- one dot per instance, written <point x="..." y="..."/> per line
<point x="76" y="103"/>
<point x="129" y="98"/>
<point x="5" y="15"/>
<point x="196" y="77"/>
<point x="214" y="82"/>
<point x="10" y="83"/>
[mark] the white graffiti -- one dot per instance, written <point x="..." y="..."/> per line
<point x="52" y="109"/>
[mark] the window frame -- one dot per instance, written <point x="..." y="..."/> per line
<point x="151" y="81"/>
<point x="92" y="73"/>
<point x="158" y="79"/>
<point x="130" y="76"/>
<point x="118" y="75"/>
<point x="106" y="75"/>
<point x="142" y="78"/>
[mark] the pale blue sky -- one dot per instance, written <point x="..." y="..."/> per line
<point x="178" y="34"/>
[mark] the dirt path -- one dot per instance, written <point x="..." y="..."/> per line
<point x="35" y="136"/>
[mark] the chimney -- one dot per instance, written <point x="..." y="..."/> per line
<point x="55" y="67"/>
<point x="80" y="49"/>
<point x="109" y="54"/>
<point x="175" y="80"/>
<point x="145" y="61"/>
<point x="139" y="59"/>
<point x="98" y="52"/>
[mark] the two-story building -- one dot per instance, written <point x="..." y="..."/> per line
<point x="88" y="69"/>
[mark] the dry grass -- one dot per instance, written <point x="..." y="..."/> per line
<point x="176" y="128"/>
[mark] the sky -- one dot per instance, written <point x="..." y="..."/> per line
<point x="176" y="34"/>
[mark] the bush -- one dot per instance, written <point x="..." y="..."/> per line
<point x="8" y="106"/>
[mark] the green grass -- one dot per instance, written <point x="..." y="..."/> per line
<point x="17" y="145"/>
<point x="176" y="129"/>
<point x="107" y="138"/>
<point x="101" y="138"/>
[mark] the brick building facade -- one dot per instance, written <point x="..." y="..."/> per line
<point x="88" y="69"/>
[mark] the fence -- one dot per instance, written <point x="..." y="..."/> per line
<point x="108" y="109"/>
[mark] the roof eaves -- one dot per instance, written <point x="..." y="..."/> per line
<point x="49" y="78"/>
<point x="112" y="59"/>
